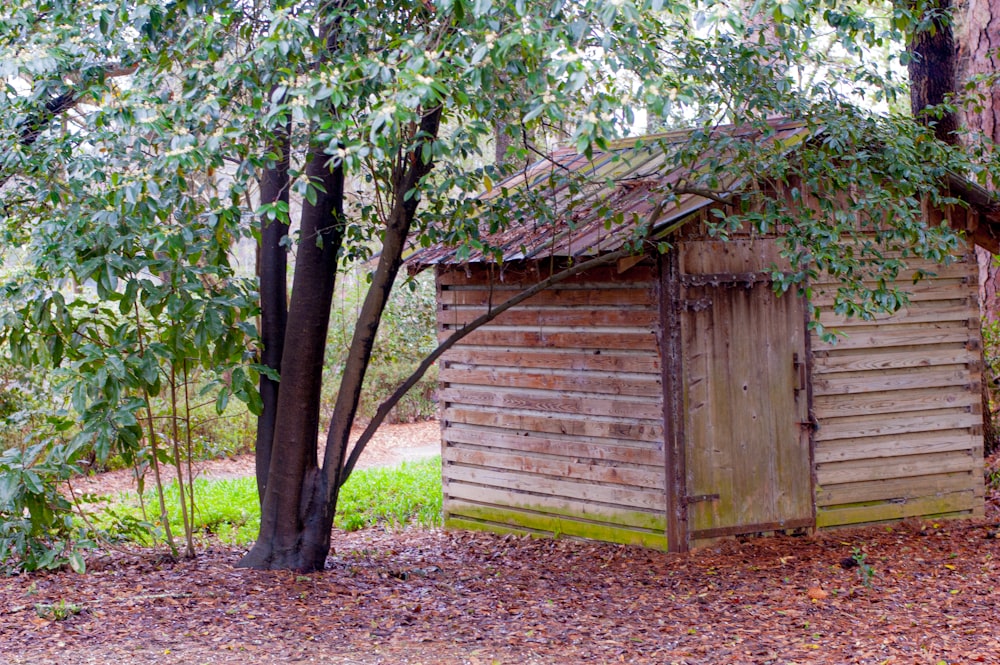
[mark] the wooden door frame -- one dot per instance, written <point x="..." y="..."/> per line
<point x="671" y="366"/>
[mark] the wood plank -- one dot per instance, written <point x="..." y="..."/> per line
<point x="588" y="297"/>
<point x="939" y="505"/>
<point x="643" y="385"/>
<point x="556" y="505"/>
<point x="827" y="362"/>
<point x="893" y="446"/>
<point x="536" y="400"/>
<point x="946" y="376"/>
<point x="963" y="254"/>
<point x="904" y="277"/>
<point x="624" y="340"/>
<point x="832" y="473"/>
<point x="519" y="275"/>
<point x="593" y="360"/>
<point x="898" y="424"/>
<point x="895" y="489"/>
<point x="706" y="257"/>
<point x="938" y="289"/>
<point x="605" y="473"/>
<point x="826" y="407"/>
<point x="470" y="516"/>
<point x="611" y="495"/>
<point x="577" y="447"/>
<point x="881" y="338"/>
<point x="643" y="318"/>
<point x="920" y="312"/>
<point x="636" y="430"/>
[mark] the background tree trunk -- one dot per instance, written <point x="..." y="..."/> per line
<point x="978" y="41"/>
<point x="932" y="73"/>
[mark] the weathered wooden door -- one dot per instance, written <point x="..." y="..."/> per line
<point x="746" y="442"/>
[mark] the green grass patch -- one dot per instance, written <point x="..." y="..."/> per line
<point x="396" y="496"/>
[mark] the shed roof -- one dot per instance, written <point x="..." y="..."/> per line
<point x="633" y="177"/>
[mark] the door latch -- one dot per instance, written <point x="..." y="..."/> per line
<point x="697" y="498"/>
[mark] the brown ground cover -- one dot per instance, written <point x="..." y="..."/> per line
<point x="436" y="597"/>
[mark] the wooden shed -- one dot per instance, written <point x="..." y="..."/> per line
<point x="673" y="398"/>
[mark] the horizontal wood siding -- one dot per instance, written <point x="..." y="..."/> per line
<point x="553" y="413"/>
<point x="898" y="406"/>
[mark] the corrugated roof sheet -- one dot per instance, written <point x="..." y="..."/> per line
<point x="631" y="178"/>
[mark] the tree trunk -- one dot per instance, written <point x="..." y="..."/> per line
<point x="295" y="524"/>
<point x="932" y="74"/>
<point x="979" y="39"/>
<point x="272" y="270"/>
<point x="501" y="141"/>
<point x="300" y="498"/>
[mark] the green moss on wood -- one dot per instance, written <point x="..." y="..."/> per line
<point x="501" y="520"/>
<point x="883" y="511"/>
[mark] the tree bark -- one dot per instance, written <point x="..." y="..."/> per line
<point x="272" y="271"/>
<point x="979" y="39"/>
<point x="932" y="74"/>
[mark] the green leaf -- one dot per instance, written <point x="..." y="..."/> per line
<point x="77" y="563"/>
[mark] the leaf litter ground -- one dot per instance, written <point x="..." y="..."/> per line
<point x="417" y="596"/>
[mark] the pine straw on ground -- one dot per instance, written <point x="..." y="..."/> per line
<point x="436" y="597"/>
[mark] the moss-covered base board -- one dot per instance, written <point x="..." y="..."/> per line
<point x="955" y="503"/>
<point x="501" y="520"/>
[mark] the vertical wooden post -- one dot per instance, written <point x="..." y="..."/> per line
<point x="673" y="401"/>
<point x="810" y="422"/>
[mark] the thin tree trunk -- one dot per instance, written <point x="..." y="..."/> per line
<point x="272" y="270"/>
<point x="410" y="172"/>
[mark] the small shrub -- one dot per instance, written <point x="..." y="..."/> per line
<point x="57" y="611"/>
<point x="37" y="529"/>
<point x="866" y="572"/>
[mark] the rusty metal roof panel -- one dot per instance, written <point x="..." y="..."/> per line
<point x="597" y="204"/>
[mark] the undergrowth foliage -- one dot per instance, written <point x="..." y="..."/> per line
<point x="37" y="528"/>
<point x="228" y="509"/>
<point x="407" y="334"/>
<point x="991" y="378"/>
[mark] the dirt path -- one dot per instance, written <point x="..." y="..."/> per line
<point x="391" y="445"/>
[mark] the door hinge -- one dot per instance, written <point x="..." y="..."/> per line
<point x="697" y="305"/>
